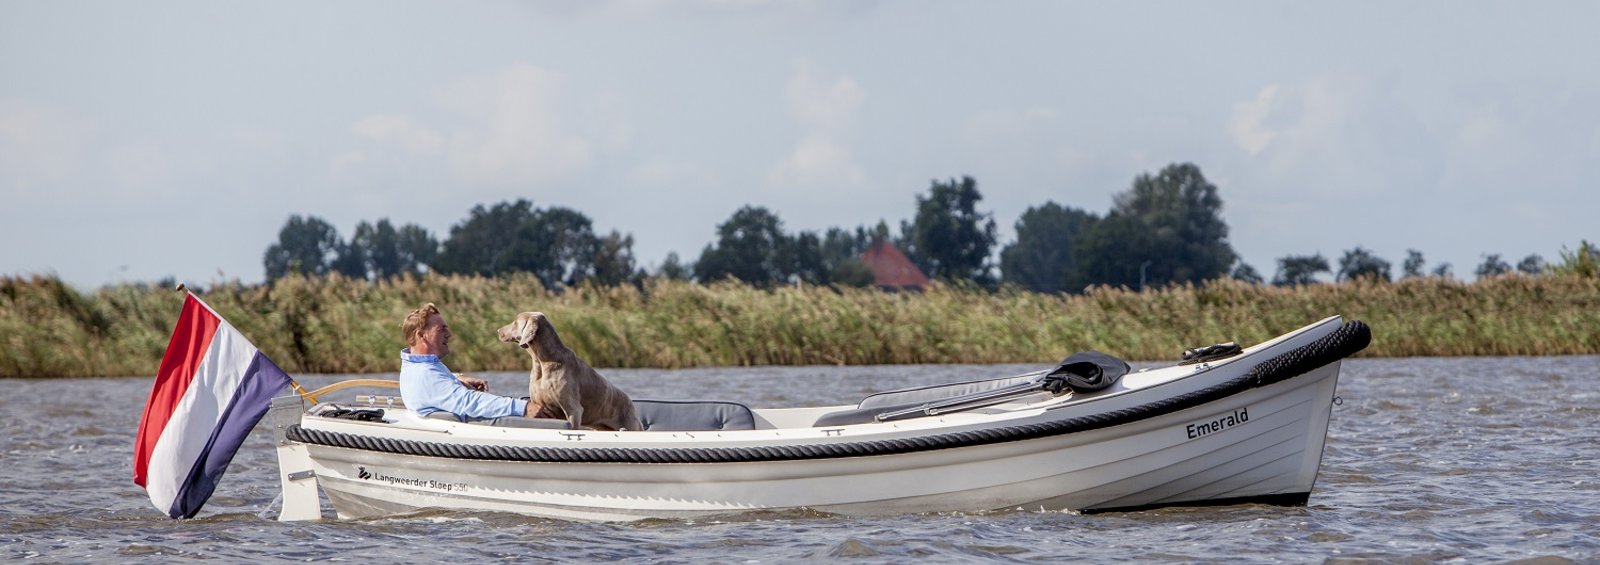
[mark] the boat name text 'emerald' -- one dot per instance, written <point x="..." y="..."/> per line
<point x="1219" y="423"/>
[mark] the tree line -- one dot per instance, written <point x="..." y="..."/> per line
<point x="1165" y="228"/>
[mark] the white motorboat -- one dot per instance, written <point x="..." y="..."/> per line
<point x="1233" y="425"/>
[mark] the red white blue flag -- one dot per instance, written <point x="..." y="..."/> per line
<point x="212" y="388"/>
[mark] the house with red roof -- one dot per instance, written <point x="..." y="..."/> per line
<point x="891" y="270"/>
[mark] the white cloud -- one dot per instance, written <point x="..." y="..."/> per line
<point x="634" y="9"/>
<point x="40" y="145"/>
<point x="1295" y="118"/>
<point x="825" y="109"/>
<point x="1248" y="124"/>
<point x="820" y="104"/>
<point x="401" y="131"/>
<point x="347" y="161"/>
<point x="518" y="136"/>
<point x="819" y="163"/>
<point x="1011" y="123"/>
<point x="664" y="172"/>
<point x="507" y="129"/>
<point x="140" y="165"/>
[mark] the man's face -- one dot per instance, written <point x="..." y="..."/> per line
<point x="434" y="338"/>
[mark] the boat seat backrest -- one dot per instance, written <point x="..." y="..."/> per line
<point x="919" y="395"/>
<point x="694" y="415"/>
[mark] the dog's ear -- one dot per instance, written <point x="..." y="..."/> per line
<point x="525" y="331"/>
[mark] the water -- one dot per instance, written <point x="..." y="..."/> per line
<point x="1453" y="459"/>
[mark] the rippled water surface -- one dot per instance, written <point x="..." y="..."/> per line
<point x="1457" y="459"/>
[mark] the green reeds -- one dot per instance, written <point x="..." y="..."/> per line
<point x="337" y="325"/>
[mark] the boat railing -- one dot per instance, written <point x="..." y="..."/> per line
<point x="311" y="396"/>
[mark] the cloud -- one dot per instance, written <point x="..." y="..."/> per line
<point x="1321" y="111"/>
<point x="518" y="137"/>
<point x="40" y="145"/>
<point x="817" y="162"/>
<point x="1248" y="125"/>
<point x="664" y="172"/>
<point x="1338" y="132"/>
<point x="634" y="9"/>
<point x="401" y="131"/>
<point x="825" y="109"/>
<point x="1011" y="123"/>
<point x="140" y="165"/>
<point x="508" y="129"/>
<point x="347" y="161"/>
<point x="820" y="104"/>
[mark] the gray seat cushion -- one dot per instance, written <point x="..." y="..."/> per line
<point x="506" y="421"/>
<point x="694" y="415"/>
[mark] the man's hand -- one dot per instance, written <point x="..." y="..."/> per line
<point x="474" y="383"/>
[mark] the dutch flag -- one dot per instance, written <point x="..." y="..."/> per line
<point x="212" y="388"/>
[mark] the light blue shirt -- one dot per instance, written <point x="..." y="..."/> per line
<point x="427" y="386"/>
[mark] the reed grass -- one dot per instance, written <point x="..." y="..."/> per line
<point x="337" y="325"/>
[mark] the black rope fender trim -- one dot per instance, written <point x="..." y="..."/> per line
<point x="1350" y="338"/>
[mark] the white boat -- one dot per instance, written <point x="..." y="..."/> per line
<point x="1249" y="427"/>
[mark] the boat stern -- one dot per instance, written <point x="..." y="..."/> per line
<point x="300" y="500"/>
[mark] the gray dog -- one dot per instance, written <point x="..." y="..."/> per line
<point x="561" y="379"/>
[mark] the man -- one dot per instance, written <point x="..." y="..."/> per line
<point x="427" y="386"/>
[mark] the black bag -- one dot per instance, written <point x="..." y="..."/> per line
<point x="1088" y="371"/>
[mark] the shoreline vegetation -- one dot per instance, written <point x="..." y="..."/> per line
<point x="338" y="325"/>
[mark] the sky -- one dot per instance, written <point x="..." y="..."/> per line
<point x="147" y="140"/>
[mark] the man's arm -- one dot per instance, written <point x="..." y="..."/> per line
<point x="473" y="383"/>
<point x="431" y="389"/>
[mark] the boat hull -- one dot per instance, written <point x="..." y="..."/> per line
<point x="1261" y="443"/>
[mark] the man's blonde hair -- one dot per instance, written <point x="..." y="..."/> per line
<point x="417" y="321"/>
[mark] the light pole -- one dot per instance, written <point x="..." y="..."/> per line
<point x="1141" y="275"/>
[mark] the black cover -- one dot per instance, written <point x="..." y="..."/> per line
<point x="1210" y="353"/>
<point x="1088" y="371"/>
<point x="358" y="414"/>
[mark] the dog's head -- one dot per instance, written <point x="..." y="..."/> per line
<point x="523" y="330"/>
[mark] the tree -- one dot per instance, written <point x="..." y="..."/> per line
<point x="557" y="245"/>
<point x="841" y="255"/>
<point x="481" y="245"/>
<point x="350" y="260"/>
<point x="674" y="269"/>
<point x="747" y="249"/>
<point x="948" y="238"/>
<point x="1166" y="228"/>
<point x="1442" y="271"/>
<point x="417" y="249"/>
<point x="1412" y="267"/>
<point x="1244" y="272"/>
<point x="851" y="272"/>
<point x="1360" y="263"/>
<point x="1531" y="265"/>
<point x="380" y="244"/>
<point x="1492" y="266"/>
<point x="1298" y="270"/>
<point x="1042" y="255"/>
<point x="613" y="260"/>
<point x="379" y="251"/>
<point x="305" y="245"/>
<point x="800" y="257"/>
